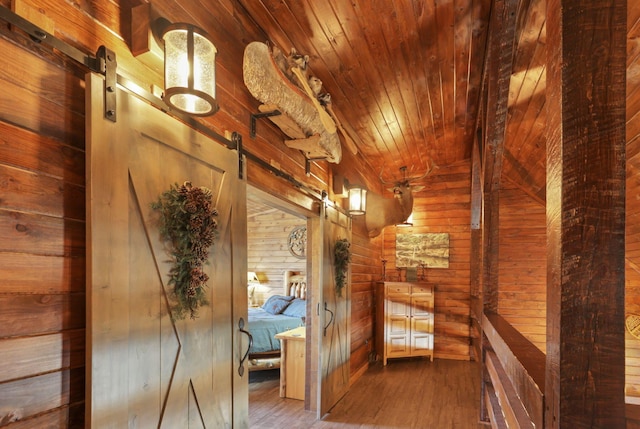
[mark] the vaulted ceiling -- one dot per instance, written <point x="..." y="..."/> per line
<point x="406" y="76"/>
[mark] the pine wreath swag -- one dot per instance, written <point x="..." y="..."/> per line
<point x="188" y="224"/>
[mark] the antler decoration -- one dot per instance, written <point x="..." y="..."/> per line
<point x="403" y="169"/>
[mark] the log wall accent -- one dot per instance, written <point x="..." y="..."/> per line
<point x="443" y="206"/>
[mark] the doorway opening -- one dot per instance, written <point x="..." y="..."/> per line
<point x="278" y="268"/>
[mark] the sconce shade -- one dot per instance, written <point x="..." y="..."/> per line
<point x="357" y="200"/>
<point x="189" y="70"/>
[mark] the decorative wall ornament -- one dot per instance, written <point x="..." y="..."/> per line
<point x="422" y="250"/>
<point x="341" y="259"/>
<point x="188" y="224"/>
<point x="297" y="242"/>
<point x="303" y="119"/>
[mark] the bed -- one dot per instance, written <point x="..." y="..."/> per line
<point x="279" y="313"/>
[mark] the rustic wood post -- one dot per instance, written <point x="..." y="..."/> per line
<point x="586" y="56"/>
<point x="502" y="29"/>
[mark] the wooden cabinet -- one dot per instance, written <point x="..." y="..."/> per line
<point x="292" y="363"/>
<point x="404" y="320"/>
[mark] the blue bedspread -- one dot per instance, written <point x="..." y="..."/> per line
<point x="263" y="326"/>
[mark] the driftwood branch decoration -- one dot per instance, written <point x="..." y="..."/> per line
<point x="304" y="120"/>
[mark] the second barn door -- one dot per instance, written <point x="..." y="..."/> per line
<point x="332" y="307"/>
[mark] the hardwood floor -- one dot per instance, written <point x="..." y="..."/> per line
<point x="406" y="393"/>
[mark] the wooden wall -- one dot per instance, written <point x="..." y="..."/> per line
<point x="632" y="247"/>
<point x="42" y="198"/>
<point x="42" y="251"/>
<point x="267" y="252"/>
<point x="366" y="269"/>
<point x="522" y="274"/>
<point x="444" y="206"/>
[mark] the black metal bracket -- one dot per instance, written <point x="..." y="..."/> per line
<point x="237" y="139"/>
<point x="307" y="164"/>
<point x="105" y="63"/>
<point x="255" y="116"/>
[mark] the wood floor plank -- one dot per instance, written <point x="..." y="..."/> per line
<point x="407" y="393"/>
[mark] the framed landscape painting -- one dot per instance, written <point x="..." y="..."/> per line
<point x="429" y="250"/>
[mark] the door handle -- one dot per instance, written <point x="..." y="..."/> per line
<point x="246" y="354"/>
<point x="330" y="320"/>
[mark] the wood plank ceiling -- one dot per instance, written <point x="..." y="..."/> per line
<point x="405" y="76"/>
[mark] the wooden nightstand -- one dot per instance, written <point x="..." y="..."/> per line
<point x="292" y="363"/>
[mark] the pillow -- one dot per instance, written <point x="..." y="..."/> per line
<point x="276" y="303"/>
<point x="297" y="308"/>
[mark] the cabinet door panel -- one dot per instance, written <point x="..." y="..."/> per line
<point x="422" y="325"/>
<point x="398" y="325"/>
<point x="421" y="344"/>
<point x="398" y="346"/>
<point x="421" y="305"/>
<point x="398" y="305"/>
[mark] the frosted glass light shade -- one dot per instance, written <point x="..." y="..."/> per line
<point x="357" y="200"/>
<point x="189" y="70"/>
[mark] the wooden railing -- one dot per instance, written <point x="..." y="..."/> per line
<point x="516" y="370"/>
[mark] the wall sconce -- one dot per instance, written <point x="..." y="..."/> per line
<point x="189" y="60"/>
<point x="189" y="70"/>
<point x="357" y="200"/>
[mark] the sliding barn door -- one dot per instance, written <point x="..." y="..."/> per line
<point x="335" y="310"/>
<point x="145" y="369"/>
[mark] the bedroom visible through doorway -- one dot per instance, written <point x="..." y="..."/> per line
<point x="276" y="285"/>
